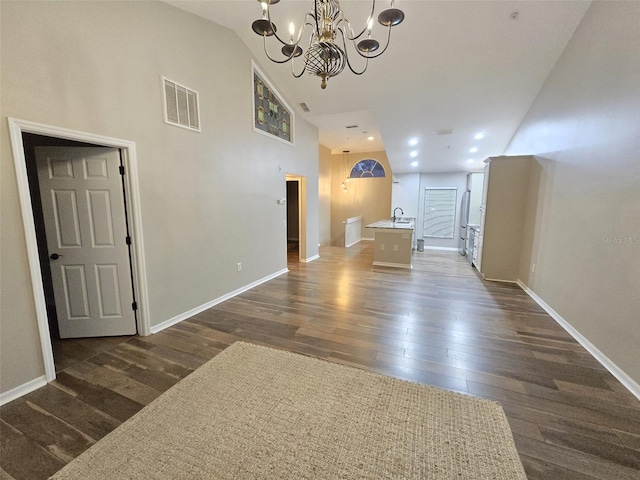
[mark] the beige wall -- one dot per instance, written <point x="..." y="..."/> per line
<point x="369" y="197"/>
<point x="324" y="192"/>
<point x="208" y="199"/>
<point x="583" y="221"/>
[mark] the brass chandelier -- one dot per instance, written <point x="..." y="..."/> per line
<point x="326" y="53"/>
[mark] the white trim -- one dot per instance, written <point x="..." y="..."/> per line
<point x="368" y="239"/>
<point x="128" y="148"/>
<point x="614" y="369"/>
<point x="15" y="133"/>
<point x="395" y="265"/>
<point x="23" y="389"/>
<point x="353" y="243"/>
<point x="311" y="259"/>
<point x="446" y="249"/>
<point x="194" y="311"/>
<point x="500" y="280"/>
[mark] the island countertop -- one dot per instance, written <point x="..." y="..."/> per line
<point x="402" y="224"/>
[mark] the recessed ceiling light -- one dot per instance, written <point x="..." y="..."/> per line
<point x="479" y="136"/>
<point x="413" y="142"/>
<point x="413" y="154"/>
<point x="369" y="138"/>
<point x="470" y="160"/>
<point x="414" y="163"/>
<point x="473" y="150"/>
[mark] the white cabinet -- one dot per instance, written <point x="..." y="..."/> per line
<point x="502" y="221"/>
<point x="475" y="184"/>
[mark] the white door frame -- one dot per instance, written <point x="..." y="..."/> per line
<point x="132" y="195"/>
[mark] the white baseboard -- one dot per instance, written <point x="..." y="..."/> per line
<point x="503" y="281"/>
<point x="446" y="249"/>
<point x="352" y="243"/>
<point x="216" y="301"/>
<point x="614" y="369"/>
<point x="23" y="389"/>
<point x="310" y="259"/>
<point x="368" y="239"/>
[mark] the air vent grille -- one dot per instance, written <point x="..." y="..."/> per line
<point x="181" y="107"/>
<point x="351" y="126"/>
<point x="304" y="107"/>
<point x="447" y="131"/>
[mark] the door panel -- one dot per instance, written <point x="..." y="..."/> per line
<point x="65" y="209"/>
<point x="83" y="206"/>
<point x="75" y="291"/>
<point x="100" y="219"/>
<point x="108" y="292"/>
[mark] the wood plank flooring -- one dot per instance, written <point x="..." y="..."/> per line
<point x="438" y="324"/>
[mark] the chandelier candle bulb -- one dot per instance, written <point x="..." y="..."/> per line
<point x="330" y="34"/>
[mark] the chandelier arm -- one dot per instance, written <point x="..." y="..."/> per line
<point x="297" y="75"/>
<point x="275" y="34"/>
<point x="346" y="56"/>
<point x="304" y="63"/>
<point x="381" y="52"/>
<point x="316" y="16"/>
<point x="270" y="57"/>
<point x="344" y="20"/>
<point x="356" y="72"/>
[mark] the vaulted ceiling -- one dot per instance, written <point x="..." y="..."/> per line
<point x="453" y="69"/>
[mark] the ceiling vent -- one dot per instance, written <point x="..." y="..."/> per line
<point x="447" y="131"/>
<point x="304" y="107"/>
<point x="181" y="107"/>
<point x="351" y="126"/>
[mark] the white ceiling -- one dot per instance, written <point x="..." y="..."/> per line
<point x="465" y="66"/>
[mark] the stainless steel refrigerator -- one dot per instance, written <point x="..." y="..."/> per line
<point x="464" y="220"/>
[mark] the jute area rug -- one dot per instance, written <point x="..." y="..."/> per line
<point x="254" y="412"/>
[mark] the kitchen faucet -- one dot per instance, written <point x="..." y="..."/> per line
<point x="394" y="213"/>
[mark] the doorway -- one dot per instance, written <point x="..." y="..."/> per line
<point x="25" y="136"/>
<point x="293" y="221"/>
<point x="296" y="218"/>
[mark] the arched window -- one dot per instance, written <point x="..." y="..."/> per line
<point x="367" y="168"/>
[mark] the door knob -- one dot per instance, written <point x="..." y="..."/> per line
<point x="54" y="256"/>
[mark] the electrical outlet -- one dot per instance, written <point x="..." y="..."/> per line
<point x="239" y="266"/>
<point x="382" y="246"/>
<point x="533" y="267"/>
<point x="395" y="248"/>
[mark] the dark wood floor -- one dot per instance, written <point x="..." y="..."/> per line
<point x="438" y="324"/>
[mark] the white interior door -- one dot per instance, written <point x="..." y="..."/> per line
<point x="84" y="216"/>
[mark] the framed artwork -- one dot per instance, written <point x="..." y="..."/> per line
<point x="271" y="114"/>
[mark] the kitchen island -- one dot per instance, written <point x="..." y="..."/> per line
<point x="393" y="242"/>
